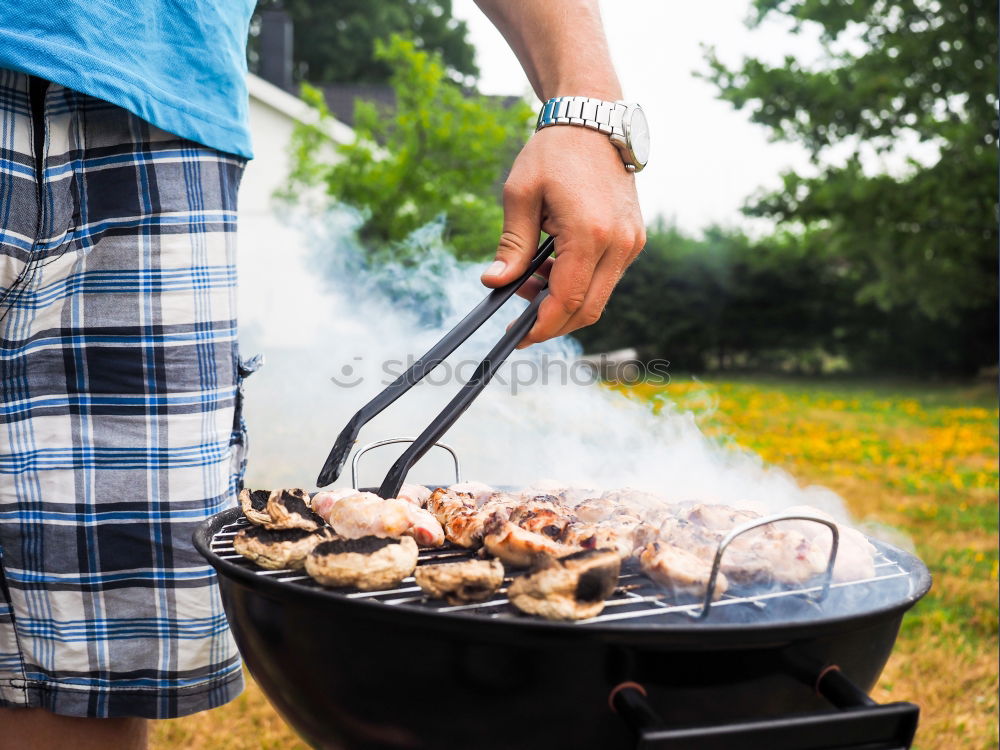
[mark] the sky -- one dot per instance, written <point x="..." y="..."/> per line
<point x="706" y="158"/>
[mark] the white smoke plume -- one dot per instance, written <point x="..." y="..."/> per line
<point x="317" y="311"/>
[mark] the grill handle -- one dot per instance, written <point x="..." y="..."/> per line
<point x="859" y="723"/>
<point x="392" y="441"/>
<point x="431" y="359"/>
<point x="713" y="577"/>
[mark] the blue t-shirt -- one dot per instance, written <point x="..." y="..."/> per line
<point x="178" y="64"/>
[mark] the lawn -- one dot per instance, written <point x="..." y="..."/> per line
<point x="919" y="461"/>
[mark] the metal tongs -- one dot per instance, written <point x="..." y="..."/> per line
<point x="431" y="359"/>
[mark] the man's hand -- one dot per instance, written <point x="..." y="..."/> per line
<point x="568" y="182"/>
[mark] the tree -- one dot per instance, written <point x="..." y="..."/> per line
<point x="723" y="301"/>
<point x="334" y="40"/>
<point x="922" y="243"/>
<point x="441" y="151"/>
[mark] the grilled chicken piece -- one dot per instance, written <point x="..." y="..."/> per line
<point x="460" y="582"/>
<point x="777" y="552"/>
<point x="719" y="517"/>
<point x="291" y="509"/>
<point x="254" y="505"/>
<point x="465" y="528"/>
<point x="476" y="490"/>
<point x="855" y="554"/>
<point x="416" y="494"/>
<point x="741" y="563"/>
<point x="369" y="563"/>
<point x="619" y="537"/>
<point x="276" y="549"/>
<point x="636" y="502"/>
<point x="772" y="553"/>
<point x="792" y="558"/>
<point x="595" y="510"/>
<point x="685" y="575"/>
<point x="366" y="514"/>
<point x="424" y="528"/>
<point x="568" y="497"/>
<point x="519" y="547"/>
<point x="572" y="587"/>
<point x="363" y="514"/>
<point x="542" y="518"/>
<point x="443" y="503"/>
<point x="465" y="525"/>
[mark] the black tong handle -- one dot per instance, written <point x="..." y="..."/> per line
<point x="431" y="359"/>
<point x="456" y="407"/>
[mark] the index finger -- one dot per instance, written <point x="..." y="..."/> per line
<point x="570" y="277"/>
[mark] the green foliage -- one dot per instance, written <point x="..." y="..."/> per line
<point x="440" y="152"/>
<point x="334" y="40"/>
<point x="921" y="244"/>
<point x="724" y="301"/>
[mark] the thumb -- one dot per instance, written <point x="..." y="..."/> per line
<point x="519" y="239"/>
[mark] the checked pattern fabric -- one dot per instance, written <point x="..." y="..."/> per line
<point x="120" y="426"/>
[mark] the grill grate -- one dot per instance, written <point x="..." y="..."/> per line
<point x="637" y="598"/>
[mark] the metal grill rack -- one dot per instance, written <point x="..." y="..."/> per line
<point x="636" y="599"/>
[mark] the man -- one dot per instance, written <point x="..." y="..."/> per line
<point x="122" y="142"/>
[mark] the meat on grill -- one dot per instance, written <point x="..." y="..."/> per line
<point x="764" y="555"/>
<point x="682" y="573"/>
<point x="674" y="545"/>
<point x="572" y="587"/>
<point x="444" y="502"/>
<point x="460" y="582"/>
<point x="618" y="535"/>
<point x="276" y="549"/>
<point x="367" y="563"/>
<point x="361" y="514"/>
<point x="416" y="494"/>
<point x="595" y="510"/>
<point x="463" y="519"/>
<point x="291" y="509"/>
<point x="542" y="516"/>
<point x="476" y="490"/>
<point x="855" y="554"/>
<point x="254" y="505"/>
<point x="740" y="563"/>
<point x="465" y="527"/>
<point x="519" y="547"/>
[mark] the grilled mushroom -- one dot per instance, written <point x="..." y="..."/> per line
<point x="567" y="588"/>
<point x="291" y="509"/>
<point x="275" y="549"/>
<point x="460" y="582"/>
<point x="368" y="563"/>
<point x="254" y="505"/>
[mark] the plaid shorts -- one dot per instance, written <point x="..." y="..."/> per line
<point x="120" y="425"/>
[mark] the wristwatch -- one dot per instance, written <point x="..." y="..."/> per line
<point x="625" y="123"/>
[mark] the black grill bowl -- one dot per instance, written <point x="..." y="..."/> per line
<point x="355" y="674"/>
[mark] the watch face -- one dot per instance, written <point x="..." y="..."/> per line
<point x="638" y="136"/>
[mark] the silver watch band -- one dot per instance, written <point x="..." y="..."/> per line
<point x="583" y="110"/>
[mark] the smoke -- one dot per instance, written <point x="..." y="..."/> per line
<point x="336" y="329"/>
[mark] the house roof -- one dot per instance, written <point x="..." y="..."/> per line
<point x="340" y="98"/>
<point x="294" y="108"/>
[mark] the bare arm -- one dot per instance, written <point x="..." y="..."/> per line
<point x="559" y="43"/>
<point x="567" y="181"/>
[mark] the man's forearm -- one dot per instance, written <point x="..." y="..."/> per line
<point x="568" y="182"/>
<point x="559" y="43"/>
